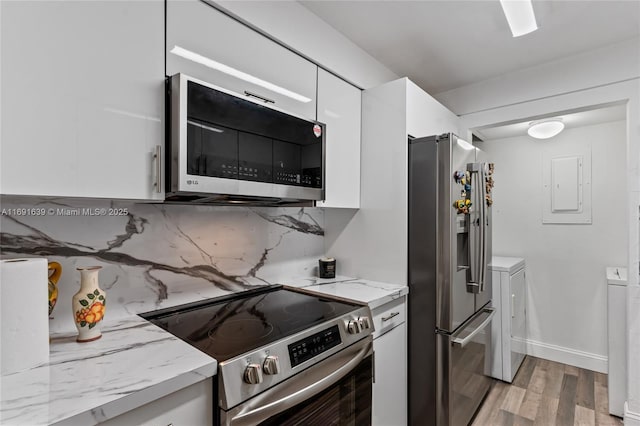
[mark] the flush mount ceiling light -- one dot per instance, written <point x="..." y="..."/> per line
<point x="545" y="129"/>
<point x="203" y="60"/>
<point x="520" y="16"/>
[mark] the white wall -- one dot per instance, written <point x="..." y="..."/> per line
<point x="301" y="30"/>
<point x="567" y="293"/>
<point x="427" y="117"/>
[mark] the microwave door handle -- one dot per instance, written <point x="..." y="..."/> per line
<point x="267" y="408"/>
<point x="261" y="98"/>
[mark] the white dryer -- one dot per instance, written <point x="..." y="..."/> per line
<point x="508" y="331"/>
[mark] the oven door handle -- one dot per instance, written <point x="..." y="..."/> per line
<point x="302" y="389"/>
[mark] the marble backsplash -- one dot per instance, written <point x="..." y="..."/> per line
<point x="159" y="255"/>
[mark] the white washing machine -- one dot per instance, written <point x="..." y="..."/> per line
<point x="508" y="330"/>
<point x="617" y="328"/>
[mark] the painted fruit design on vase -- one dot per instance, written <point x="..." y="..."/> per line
<point x="89" y="305"/>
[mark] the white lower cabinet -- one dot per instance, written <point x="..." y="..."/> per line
<point x="191" y="406"/>
<point x="390" y="347"/>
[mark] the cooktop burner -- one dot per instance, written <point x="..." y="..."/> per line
<point x="241" y="329"/>
<point x="230" y="326"/>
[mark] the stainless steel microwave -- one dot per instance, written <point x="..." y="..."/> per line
<point x="227" y="148"/>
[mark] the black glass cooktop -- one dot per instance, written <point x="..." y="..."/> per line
<point x="230" y="326"/>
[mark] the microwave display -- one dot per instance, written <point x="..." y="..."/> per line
<point x="232" y="138"/>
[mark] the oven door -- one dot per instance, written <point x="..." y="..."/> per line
<point x="336" y="391"/>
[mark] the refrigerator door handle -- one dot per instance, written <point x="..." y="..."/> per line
<point x="477" y="229"/>
<point x="462" y="342"/>
<point x="483" y="223"/>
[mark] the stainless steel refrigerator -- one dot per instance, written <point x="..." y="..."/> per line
<point x="449" y="287"/>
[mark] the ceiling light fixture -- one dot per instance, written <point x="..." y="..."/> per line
<point x="545" y="129"/>
<point x="203" y="60"/>
<point x="520" y="16"/>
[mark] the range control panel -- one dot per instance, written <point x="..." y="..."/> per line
<point x="305" y="349"/>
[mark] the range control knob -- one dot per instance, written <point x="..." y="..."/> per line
<point x="354" y="327"/>
<point x="271" y="365"/>
<point x="365" y="323"/>
<point x="253" y="374"/>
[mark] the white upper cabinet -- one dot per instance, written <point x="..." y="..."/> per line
<point x="206" y="44"/>
<point x="339" y="107"/>
<point x="82" y="98"/>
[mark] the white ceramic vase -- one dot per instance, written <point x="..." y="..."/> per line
<point x="88" y="305"/>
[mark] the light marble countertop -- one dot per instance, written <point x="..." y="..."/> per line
<point x="373" y="293"/>
<point x="133" y="363"/>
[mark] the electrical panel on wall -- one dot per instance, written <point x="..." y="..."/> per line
<point x="567" y="186"/>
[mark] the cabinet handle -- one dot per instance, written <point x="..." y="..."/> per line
<point x="157" y="159"/>
<point x="391" y="315"/>
<point x="262" y="98"/>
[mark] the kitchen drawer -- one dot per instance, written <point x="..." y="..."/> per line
<point x="200" y="28"/>
<point x="388" y="316"/>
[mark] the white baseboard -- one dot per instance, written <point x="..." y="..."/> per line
<point x="630" y="418"/>
<point x="569" y="356"/>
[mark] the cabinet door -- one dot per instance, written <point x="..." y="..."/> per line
<point x="82" y="98"/>
<point x="192" y="405"/>
<point x="390" y="386"/>
<point x="339" y="107"/>
<point x="201" y="41"/>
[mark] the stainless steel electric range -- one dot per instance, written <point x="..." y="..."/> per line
<point x="284" y="357"/>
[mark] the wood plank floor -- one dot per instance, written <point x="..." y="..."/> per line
<point x="548" y="393"/>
